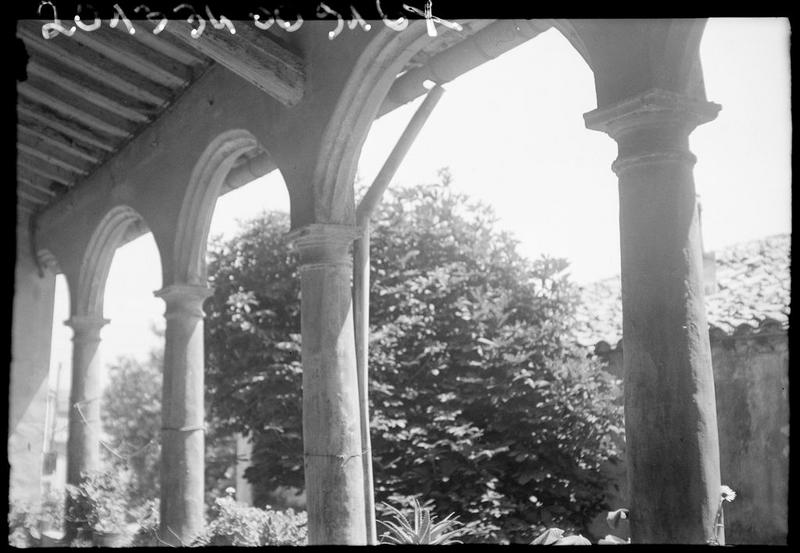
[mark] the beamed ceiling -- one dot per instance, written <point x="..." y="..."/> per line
<point x="88" y="94"/>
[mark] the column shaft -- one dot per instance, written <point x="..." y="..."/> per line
<point x="83" y="442"/>
<point x="182" y="416"/>
<point x="331" y="433"/>
<point x="670" y="409"/>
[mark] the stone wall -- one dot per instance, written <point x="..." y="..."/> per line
<point x="751" y="372"/>
<point x="30" y="365"/>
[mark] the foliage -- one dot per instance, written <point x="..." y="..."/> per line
<point x="97" y="504"/>
<point x="27" y="521"/>
<point x="237" y="524"/>
<point x="426" y="529"/>
<point x="479" y="399"/>
<point x="147" y="520"/>
<point x="132" y="418"/>
<point x="555" y="536"/>
<point x="23" y="526"/>
<point x="253" y="349"/>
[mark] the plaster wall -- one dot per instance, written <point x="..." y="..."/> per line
<point x="751" y="374"/>
<point x="752" y="384"/>
<point x="30" y="364"/>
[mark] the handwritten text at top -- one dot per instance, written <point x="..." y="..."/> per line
<point x="261" y="18"/>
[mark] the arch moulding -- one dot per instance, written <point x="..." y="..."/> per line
<point x="96" y="262"/>
<point x="197" y="209"/>
<point x="372" y="76"/>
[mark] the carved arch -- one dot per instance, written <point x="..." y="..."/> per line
<point x="197" y="209"/>
<point x="372" y="76"/>
<point x="97" y="259"/>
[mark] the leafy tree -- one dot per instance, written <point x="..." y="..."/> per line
<point x="131" y="414"/>
<point x="253" y="370"/>
<point x="480" y="401"/>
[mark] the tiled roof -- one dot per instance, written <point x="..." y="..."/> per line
<point x="753" y="285"/>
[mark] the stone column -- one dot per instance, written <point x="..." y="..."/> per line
<point x="83" y="442"/>
<point x="670" y="409"/>
<point x="182" y="415"/>
<point x="331" y="433"/>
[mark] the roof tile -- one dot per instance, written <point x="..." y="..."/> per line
<point x="753" y="286"/>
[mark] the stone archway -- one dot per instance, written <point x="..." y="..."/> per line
<point x="183" y="413"/>
<point x="360" y="101"/>
<point x="86" y="320"/>
<point x="650" y="95"/>
<point x="194" y="220"/>
<point x="96" y="262"/>
<point x="329" y="386"/>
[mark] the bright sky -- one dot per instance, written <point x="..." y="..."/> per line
<point x="512" y="133"/>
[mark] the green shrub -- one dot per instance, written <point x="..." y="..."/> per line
<point x="479" y="399"/>
<point x="97" y="505"/>
<point x="27" y="522"/>
<point x="237" y="524"/>
<point x="23" y="526"/>
<point x="147" y="517"/>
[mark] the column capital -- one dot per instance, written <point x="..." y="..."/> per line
<point x="184" y="299"/>
<point x="86" y="323"/>
<point x="653" y="108"/>
<point x="652" y="128"/>
<point x="323" y="244"/>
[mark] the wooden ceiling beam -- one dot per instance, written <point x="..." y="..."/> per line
<point x="43" y="94"/>
<point x="35" y="182"/>
<point x="51" y="159"/>
<point x="31" y="198"/>
<point x="62" y="142"/>
<point x="79" y="58"/>
<point x="119" y="46"/>
<point x="168" y="46"/>
<point x="30" y="183"/>
<point x="50" y="118"/>
<point x="51" y="173"/>
<point x="25" y="207"/>
<point x="98" y="95"/>
<point x="253" y="55"/>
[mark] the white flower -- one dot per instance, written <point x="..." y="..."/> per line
<point x="230" y="490"/>
<point x="727" y="493"/>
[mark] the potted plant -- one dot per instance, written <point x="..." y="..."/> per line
<point x="96" y="509"/>
<point x="37" y="525"/>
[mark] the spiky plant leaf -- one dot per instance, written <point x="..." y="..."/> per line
<point x="397" y="533"/>
<point x="425" y="528"/>
<point x="400" y="517"/>
<point x="445" y="531"/>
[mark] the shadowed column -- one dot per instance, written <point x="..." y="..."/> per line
<point x="331" y="433"/>
<point x="83" y="443"/>
<point x="182" y="415"/>
<point x="670" y="409"/>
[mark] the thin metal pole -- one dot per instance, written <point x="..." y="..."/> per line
<point x="373" y="195"/>
<point x="361" y="319"/>
<point x="361" y="289"/>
